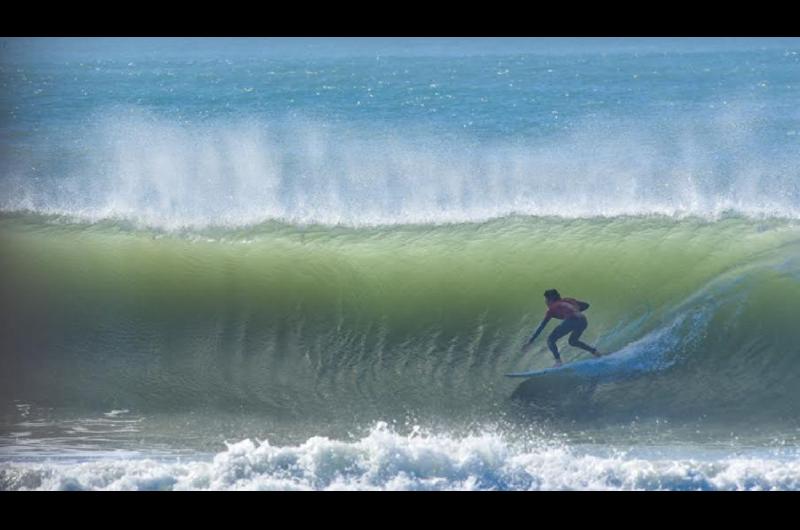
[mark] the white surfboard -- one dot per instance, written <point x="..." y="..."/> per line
<point x="578" y="367"/>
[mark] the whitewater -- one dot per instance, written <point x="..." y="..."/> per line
<point x="307" y="263"/>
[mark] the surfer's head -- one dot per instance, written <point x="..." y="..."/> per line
<point x="551" y="295"/>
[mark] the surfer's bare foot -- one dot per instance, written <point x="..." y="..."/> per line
<point x="597" y="353"/>
<point x="558" y="362"/>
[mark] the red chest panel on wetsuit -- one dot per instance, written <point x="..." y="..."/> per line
<point x="563" y="309"/>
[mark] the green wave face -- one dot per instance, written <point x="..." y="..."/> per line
<point x="321" y="321"/>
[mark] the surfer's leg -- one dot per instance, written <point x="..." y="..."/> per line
<point x="561" y="330"/>
<point x="580" y="327"/>
<point x="551" y="343"/>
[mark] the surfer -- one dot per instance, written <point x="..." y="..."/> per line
<point x="570" y="311"/>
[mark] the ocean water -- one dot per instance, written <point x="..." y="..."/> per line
<point x="307" y="263"/>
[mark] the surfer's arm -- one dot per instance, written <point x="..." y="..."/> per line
<point x="583" y="306"/>
<point x="545" y="320"/>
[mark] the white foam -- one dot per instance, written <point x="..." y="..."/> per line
<point x="115" y="413"/>
<point x="386" y="460"/>
<point x="169" y="174"/>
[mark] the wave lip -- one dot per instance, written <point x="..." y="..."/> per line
<point x="138" y="167"/>
<point x="386" y="460"/>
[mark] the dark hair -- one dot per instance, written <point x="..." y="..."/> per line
<point x="552" y="294"/>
